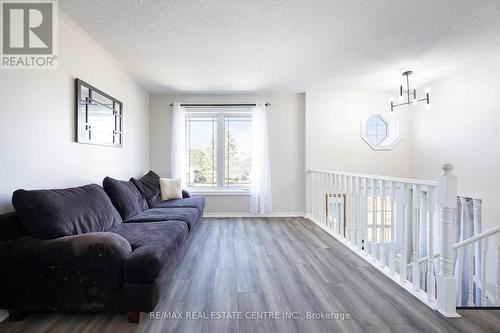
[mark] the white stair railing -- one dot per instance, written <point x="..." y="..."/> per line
<point x="478" y="295"/>
<point x="391" y="223"/>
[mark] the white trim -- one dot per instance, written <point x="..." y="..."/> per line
<point x="220" y="121"/>
<point x="219" y="192"/>
<point x="393" y="132"/>
<point x="245" y="214"/>
<point x="4" y="314"/>
<point x="378" y="177"/>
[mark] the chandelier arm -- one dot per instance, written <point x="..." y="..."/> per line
<point x="411" y="94"/>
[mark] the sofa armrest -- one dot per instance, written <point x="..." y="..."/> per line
<point x="185" y="194"/>
<point x="81" y="272"/>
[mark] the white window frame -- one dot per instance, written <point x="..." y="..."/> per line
<point x="220" y="114"/>
<point x="383" y="226"/>
<point x="393" y="132"/>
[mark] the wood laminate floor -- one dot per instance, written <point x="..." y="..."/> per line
<point x="272" y="267"/>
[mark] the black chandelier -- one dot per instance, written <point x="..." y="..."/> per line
<point x="411" y="95"/>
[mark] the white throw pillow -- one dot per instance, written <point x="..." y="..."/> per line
<point x="170" y="189"/>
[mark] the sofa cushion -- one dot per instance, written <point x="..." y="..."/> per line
<point x="149" y="187"/>
<point x="153" y="245"/>
<point x="125" y="197"/>
<point x="193" y="202"/>
<point x="170" y="189"/>
<point x="11" y="227"/>
<point x="188" y="215"/>
<point x="65" y="212"/>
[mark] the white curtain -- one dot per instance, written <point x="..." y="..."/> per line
<point x="178" y="160"/>
<point x="467" y="223"/>
<point x="260" y="199"/>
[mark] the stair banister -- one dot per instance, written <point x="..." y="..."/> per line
<point x="414" y="204"/>
<point x="447" y="203"/>
<point x="470" y="240"/>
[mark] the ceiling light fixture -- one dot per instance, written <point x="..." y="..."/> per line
<point x="409" y="94"/>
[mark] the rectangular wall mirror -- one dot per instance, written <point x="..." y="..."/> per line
<point x="99" y="117"/>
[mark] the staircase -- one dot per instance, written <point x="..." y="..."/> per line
<point x="403" y="227"/>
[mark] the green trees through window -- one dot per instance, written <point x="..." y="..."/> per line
<point x="218" y="150"/>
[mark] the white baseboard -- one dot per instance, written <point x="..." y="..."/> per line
<point x="4" y="314"/>
<point x="246" y="214"/>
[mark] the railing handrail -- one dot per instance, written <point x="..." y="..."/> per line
<point x="378" y="177"/>
<point x="480" y="236"/>
<point x="485" y="234"/>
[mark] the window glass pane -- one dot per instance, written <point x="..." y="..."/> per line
<point x="238" y="151"/>
<point x="371" y="130"/>
<point x="201" y="154"/>
<point x="376" y="129"/>
<point x="386" y="208"/>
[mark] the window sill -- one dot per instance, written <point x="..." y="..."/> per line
<point x="224" y="192"/>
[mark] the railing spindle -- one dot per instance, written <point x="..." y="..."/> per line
<point x="347" y="219"/>
<point x="470" y="295"/>
<point x="364" y="214"/>
<point x="374" y="220"/>
<point x="460" y="269"/>
<point x="484" y="288"/>
<point x="497" y="243"/>
<point x="415" y="277"/>
<point x="431" y="277"/>
<point x="404" y="232"/>
<point x="392" y="244"/>
<point x="381" y="252"/>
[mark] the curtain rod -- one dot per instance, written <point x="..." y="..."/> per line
<point x="220" y="105"/>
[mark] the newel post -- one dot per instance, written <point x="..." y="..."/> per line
<point x="447" y="203"/>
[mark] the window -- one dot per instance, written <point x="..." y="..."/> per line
<point x="380" y="131"/>
<point x="201" y="143"/>
<point x="237" y="151"/>
<point x="382" y="231"/>
<point x="336" y="212"/>
<point x="218" y="149"/>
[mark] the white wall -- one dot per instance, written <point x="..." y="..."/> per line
<point x="333" y="134"/>
<point x="286" y="148"/>
<point x="37" y="148"/>
<point x="463" y="128"/>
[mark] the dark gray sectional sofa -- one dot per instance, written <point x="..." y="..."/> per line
<point x="93" y="248"/>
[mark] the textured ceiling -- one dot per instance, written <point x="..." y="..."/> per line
<point x="270" y="45"/>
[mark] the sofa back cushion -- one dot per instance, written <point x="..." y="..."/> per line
<point x="63" y="212"/>
<point x="11" y="227"/>
<point x="149" y="187"/>
<point x="125" y="197"/>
